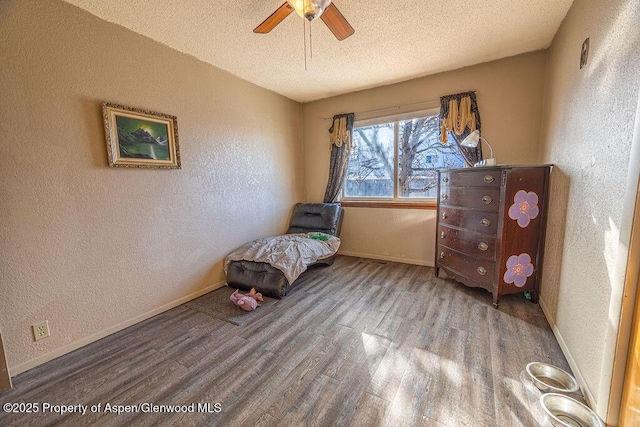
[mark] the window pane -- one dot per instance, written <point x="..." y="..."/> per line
<point x="420" y="152"/>
<point x="371" y="162"/>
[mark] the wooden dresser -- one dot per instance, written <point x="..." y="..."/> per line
<point x="491" y="225"/>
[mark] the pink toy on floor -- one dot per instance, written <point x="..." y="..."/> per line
<point x="247" y="302"/>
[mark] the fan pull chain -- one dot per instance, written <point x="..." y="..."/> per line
<point x="310" y="43"/>
<point x="304" y="39"/>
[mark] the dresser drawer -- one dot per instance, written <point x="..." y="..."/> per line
<point x="483" y="222"/>
<point x="480" y="270"/>
<point x="475" y="244"/>
<point x="472" y="178"/>
<point x="486" y="199"/>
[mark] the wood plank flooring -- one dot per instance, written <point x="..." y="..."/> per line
<point x="361" y="343"/>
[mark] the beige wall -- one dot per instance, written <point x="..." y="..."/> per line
<point x="511" y="126"/>
<point x="92" y="248"/>
<point x="587" y="133"/>
<point x="5" y="377"/>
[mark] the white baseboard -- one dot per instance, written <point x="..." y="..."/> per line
<point x="586" y="391"/>
<point x="18" y="369"/>
<point x="388" y="258"/>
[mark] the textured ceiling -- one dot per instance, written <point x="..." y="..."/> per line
<point x="394" y="40"/>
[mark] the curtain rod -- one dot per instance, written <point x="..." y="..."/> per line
<point x="394" y="107"/>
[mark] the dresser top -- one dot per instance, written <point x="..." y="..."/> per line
<point x="496" y="167"/>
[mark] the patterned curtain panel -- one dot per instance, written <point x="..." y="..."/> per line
<point x="459" y="116"/>
<point x="340" y="146"/>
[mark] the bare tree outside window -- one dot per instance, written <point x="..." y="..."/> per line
<point x="372" y="162"/>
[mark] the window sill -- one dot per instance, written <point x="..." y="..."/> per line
<point x="389" y="204"/>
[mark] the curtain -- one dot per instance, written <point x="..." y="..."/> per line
<point x="340" y="131"/>
<point x="459" y="116"/>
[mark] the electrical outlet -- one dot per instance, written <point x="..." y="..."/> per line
<point x="40" y="330"/>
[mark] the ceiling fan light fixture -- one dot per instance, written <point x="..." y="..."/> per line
<point x="309" y="9"/>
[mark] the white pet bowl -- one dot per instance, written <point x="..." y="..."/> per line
<point x="549" y="378"/>
<point x="564" y="411"/>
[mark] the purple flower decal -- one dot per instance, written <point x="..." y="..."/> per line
<point x="519" y="267"/>
<point x="524" y="207"/>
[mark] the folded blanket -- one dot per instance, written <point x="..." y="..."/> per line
<point x="289" y="253"/>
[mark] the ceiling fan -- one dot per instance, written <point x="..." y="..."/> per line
<point x="309" y="10"/>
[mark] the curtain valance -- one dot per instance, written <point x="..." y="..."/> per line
<point x="459" y="116"/>
<point x="340" y="130"/>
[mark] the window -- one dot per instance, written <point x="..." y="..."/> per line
<point x="397" y="159"/>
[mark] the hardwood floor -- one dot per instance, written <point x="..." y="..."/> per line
<point x="362" y="343"/>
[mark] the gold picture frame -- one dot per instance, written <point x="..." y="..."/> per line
<point x="140" y="138"/>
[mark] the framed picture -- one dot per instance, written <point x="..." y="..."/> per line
<point x="140" y="138"/>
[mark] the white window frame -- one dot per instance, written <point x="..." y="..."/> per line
<point x="395" y="200"/>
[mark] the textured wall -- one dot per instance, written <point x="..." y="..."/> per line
<point x="511" y="126"/>
<point x="587" y="133"/>
<point x="88" y="247"/>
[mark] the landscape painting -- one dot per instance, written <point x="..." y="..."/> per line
<point x="140" y="138"/>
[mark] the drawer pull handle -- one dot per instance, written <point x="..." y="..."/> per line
<point x="485" y="222"/>
<point x="444" y="197"/>
<point x="487" y="200"/>
<point x="483" y="246"/>
<point x="488" y="179"/>
<point x="481" y="271"/>
<point x="443" y="234"/>
<point x="444" y="215"/>
<point x="445" y="179"/>
<point x="441" y="255"/>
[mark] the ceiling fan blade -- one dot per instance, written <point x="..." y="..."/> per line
<point x="334" y="20"/>
<point x="274" y="19"/>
